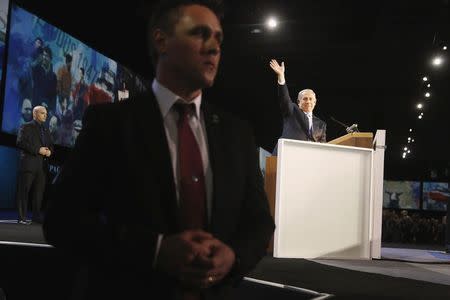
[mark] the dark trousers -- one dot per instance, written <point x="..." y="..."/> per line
<point x="30" y="185"/>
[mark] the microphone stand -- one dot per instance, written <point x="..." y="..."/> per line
<point x="348" y="129"/>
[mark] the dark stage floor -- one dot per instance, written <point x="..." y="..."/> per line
<point x="402" y="273"/>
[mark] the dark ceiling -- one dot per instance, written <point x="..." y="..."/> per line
<point x="365" y="60"/>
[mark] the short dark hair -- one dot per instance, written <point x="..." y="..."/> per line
<point x="165" y="13"/>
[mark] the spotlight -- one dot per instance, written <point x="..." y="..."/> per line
<point x="427" y="95"/>
<point x="272" y="23"/>
<point x="420" y="117"/>
<point x="410" y="130"/>
<point x="437" y="61"/>
<point x="425" y="78"/>
<point x="428" y="85"/>
<point x="419" y="106"/>
<point x="444" y="48"/>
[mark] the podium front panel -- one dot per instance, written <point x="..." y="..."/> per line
<point x="323" y="199"/>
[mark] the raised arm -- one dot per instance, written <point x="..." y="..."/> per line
<point x="286" y="104"/>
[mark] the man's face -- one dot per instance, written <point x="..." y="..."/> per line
<point x="40" y="115"/>
<point x="27" y="110"/>
<point x="53" y="124"/>
<point x="37" y="44"/>
<point x="191" y="53"/>
<point x="307" y="101"/>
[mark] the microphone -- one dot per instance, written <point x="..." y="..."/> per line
<point x="349" y="129"/>
<point x="353" y="128"/>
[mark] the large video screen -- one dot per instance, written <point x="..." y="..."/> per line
<point x="435" y="196"/>
<point x="401" y="194"/>
<point x="9" y="158"/>
<point x="3" y="25"/>
<point x="48" y="67"/>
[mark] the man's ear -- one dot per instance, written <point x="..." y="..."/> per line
<point x="160" y="41"/>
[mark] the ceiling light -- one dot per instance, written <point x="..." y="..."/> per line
<point x="425" y="79"/>
<point x="427" y="95"/>
<point x="437" y="61"/>
<point x="419" y="106"/>
<point x="272" y="23"/>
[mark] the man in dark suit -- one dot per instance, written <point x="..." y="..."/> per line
<point x="36" y="147"/>
<point x="299" y="121"/>
<point x="162" y="194"/>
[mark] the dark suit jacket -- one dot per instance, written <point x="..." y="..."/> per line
<point x="29" y="141"/>
<point x="295" y="121"/>
<point x="116" y="194"/>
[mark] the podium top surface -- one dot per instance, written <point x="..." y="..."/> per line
<point x="350" y="136"/>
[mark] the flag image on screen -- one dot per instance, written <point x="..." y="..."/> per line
<point x="48" y="67"/>
<point x="435" y="196"/>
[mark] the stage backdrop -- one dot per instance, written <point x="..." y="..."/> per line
<point x="48" y="67"/>
<point x="435" y="196"/>
<point x="401" y="194"/>
<point x="9" y="158"/>
<point x="4" y="4"/>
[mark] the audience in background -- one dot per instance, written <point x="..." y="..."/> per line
<point x="400" y="227"/>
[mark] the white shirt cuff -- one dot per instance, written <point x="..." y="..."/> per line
<point x="158" y="245"/>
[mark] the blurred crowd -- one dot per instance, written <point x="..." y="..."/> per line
<point x="412" y="228"/>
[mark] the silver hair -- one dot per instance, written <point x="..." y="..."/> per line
<point x="300" y="94"/>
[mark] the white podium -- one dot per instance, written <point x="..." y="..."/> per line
<point x="326" y="202"/>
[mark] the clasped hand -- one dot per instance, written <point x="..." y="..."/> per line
<point x="45" y="151"/>
<point x="196" y="258"/>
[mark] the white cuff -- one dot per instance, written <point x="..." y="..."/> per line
<point x="158" y="245"/>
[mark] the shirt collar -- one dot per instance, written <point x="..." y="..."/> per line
<point x="309" y="114"/>
<point x="166" y="99"/>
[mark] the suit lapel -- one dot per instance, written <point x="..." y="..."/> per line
<point x="303" y="121"/>
<point x="316" y="128"/>
<point x="37" y="133"/>
<point x="217" y="158"/>
<point x="155" y="161"/>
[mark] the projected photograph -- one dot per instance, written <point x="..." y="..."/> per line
<point x="435" y="196"/>
<point x="48" y="67"/>
<point x="3" y="24"/>
<point x="401" y="194"/>
<point x="9" y="158"/>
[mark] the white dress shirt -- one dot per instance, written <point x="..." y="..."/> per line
<point x="310" y="122"/>
<point x="166" y="99"/>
